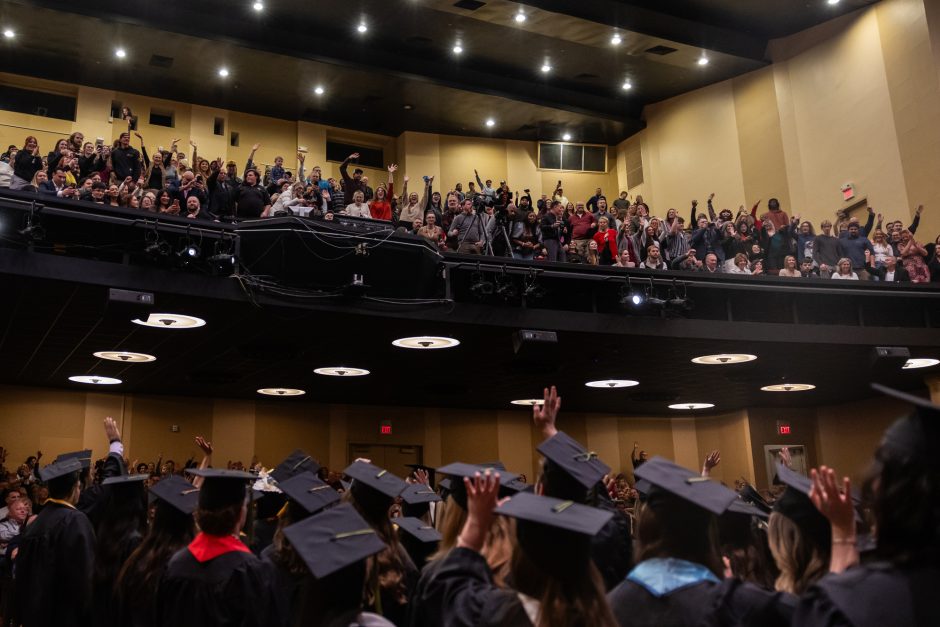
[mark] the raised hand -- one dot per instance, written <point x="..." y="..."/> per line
<point x="711" y="460"/>
<point x="611" y="484"/>
<point x="482" y="497"/>
<point x="833" y="503"/>
<point x="193" y="144"/>
<point x="111" y="430"/>
<point x="138" y="136"/>
<point x="354" y="155"/>
<point x="919" y="209"/>
<point x="254" y="148"/>
<point x="421" y="476"/>
<point x="406" y="178"/>
<point x="544" y="416"/>
<point x="301" y="156"/>
<point x="392" y="168"/>
<point x="785" y="457"/>
<point x="711" y="196"/>
<point x="204" y="444"/>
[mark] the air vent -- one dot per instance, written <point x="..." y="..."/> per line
<point x="419" y="41"/>
<point x="584" y="76"/>
<point x="469" y="5"/>
<point x="159" y="61"/>
<point x="653" y="396"/>
<point x="660" y="50"/>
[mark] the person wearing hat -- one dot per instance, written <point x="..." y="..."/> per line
<point x="92" y="494"/>
<point x="352" y="184"/>
<point x="216" y="579"/>
<point x="898" y="586"/>
<point x="554" y="581"/>
<point x="55" y="561"/>
<point x="678" y="576"/>
<point x="171" y="529"/>
<point x="251" y="199"/>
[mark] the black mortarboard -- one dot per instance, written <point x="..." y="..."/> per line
<point x="916" y="435"/>
<point x="686" y="484"/>
<point x="125" y="479"/>
<point x="426" y="469"/>
<point x="376" y="478"/>
<point x="178" y="492"/>
<point x="795" y="504"/>
<point x="752" y="496"/>
<point x="419" y="493"/>
<point x="333" y="539"/>
<point x="458" y="470"/>
<point x="565" y="515"/>
<point x="222" y="488"/>
<point x="308" y="491"/>
<point x="643" y="486"/>
<point x="82" y="456"/>
<point x="740" y="506"/>
<point x="60" y="468"/>
<point x="580" y="464"/>
<point x="418" y="529"/>
<point x="296" y="463"/>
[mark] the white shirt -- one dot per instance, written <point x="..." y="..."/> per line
<point x="361" y="211"/>
<point x="849" y="277"/>
<point x="6" y="174"/>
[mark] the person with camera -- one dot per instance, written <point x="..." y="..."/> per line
<point x="125" y="159"/>
<point x="468" y="228"/>
<point x="554" y="232"/>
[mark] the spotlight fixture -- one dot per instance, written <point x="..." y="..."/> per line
<point x="702" y="60"/>
<point x="723" y="359"/>
<point x="426" y="342"/>
<point x="33" y="232"/>
<point x="627" y="86"/>
<point x="788" y="387"/>
<point x="125" y="356"/>
<point x="533" y="291"/>
<point x="95" y="380"/>
<point x="611" y="384"/>
<point x="616" y="39"/>
<point x="520" y="17"/>
<point x="318" y="90"/>
<point x="920" y="362"/>
<point x="691" y="406"/>
<point x="170" y="321"/>
<point x="157" y="248"/>
<point x="120" y="53"/>
<point x="258" y="6"/>
<point x="481" y="286"/>
<point x="223" y="72"/>
<point x="505" y="287"/>
<point x="490" y="122"/>
<point x="281" y="392"/>
<point x="9" y="33"/>
<point x="458" y="48"/>
<point x="546" y="68"/>
<point x="528" y="402"/>
<point x="223" y="259"/>
<point x="362" y="28"/>
<point x="188" y="252"/>
<point x="631" y="297"/>
<point x="566" y="137"/>
<point x="341" y="371"/>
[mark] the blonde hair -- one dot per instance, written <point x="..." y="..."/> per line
<point x="800" y="562"/>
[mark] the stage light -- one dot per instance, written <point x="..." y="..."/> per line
<point x="318" y="90"/>
<point x="490" y="122"/>
<point x="125" y="356"/>
<point x="520" y="17"/>
<point x="341" y="371"/>
<point x="281" y="392"/>
<point x="529" y="402"/>
<point x="691" y="406"/>
<point x="546" y="68"/>
<point x="9" y="33"/>
<point x="481" y="286"/>
<point x="223" y="72"/>
<point x="170" y="321"/>
<point x="426" y="342"/>
<point x="362" y="28"/>
<point x="458" y="48"/>
<point x="95" y="380"/>
<point x="610" y="384"/>
<point x="566" y="137"/>
<point x="723" y="359"/>
<point x="258" y="6"/>
<point x="788" y="387"/>
<point x="33" y="232"/>
<point x="702" y="60"/>
<point x="920" y="362"/>
<point x="627" y="86"/>
<point x="616" y="39"/>
<point x="120" y="53"/>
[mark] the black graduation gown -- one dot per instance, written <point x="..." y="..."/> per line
<point x="52" y="576"/>
<point x="706" y="604"/>
<point x="285" y="587"/>
<point x="612" y="547"/>
<point x="872" y="595"/>
<point x="231" y="590"/>
<point x="91" y="499"/>
<point x="458" y="591"/>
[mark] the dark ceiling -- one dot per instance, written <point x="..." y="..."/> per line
<point x="277" y="56"/>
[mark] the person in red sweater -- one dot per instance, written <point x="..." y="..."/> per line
<point x="606" y="239"/>
<point x="379" y="206"/>
<point x="582" y="224"/>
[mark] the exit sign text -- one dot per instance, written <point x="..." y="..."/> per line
<point x="783" y="428"/>
<point x="385" y="428"/>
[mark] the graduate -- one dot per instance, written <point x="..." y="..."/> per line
<point x="172" y="529"/>
<point x="216" y="579"/>
<point x="899" y="585"/>
<point x="54" y="565"/>
<point x="416" y="531"/>
<point x="677" y="579"/>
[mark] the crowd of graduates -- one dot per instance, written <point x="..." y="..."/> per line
<point x="474" y="544"/>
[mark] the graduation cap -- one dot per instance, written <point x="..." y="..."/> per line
<point x="418" y="529"/>
<point x="752" y="496"/>
<point x="125" y="479"/>
<point x="581" y="464"/>
<point x="643" y="486"/>
<point x="222" y="488"/>
<point x="177" y="492"/>
<point x="308" y="491"/>
<point x="82" y="456"/>
<point x="556" y="513"/>
<point x="740" y="506"/>
<point x="916" y="435"/>
<point x="426" y="469"/>
<point x="333" y="539"/>
<point x="686" y="484"/>
<point x="376" y="478"/>
<point x="458" y="470"/>
<point x="60" y="468"/>
<point x="295" y="463"/>
<point x="795" y="504"/>
<point x="420" y="493"/>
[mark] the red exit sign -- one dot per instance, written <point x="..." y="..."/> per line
<point x="385" y="428"/>
<point x="783" y="428"/>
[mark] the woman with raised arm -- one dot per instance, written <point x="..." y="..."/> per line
<point x="26" y="164"/>
<point x="913" y="258"/>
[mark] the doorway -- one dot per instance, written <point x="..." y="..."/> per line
<point x="392" y="457"/>
<point x="772" y="455"/>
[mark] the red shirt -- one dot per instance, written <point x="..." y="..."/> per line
<point x="607" y="240"/>
<point x="581" y="225"/>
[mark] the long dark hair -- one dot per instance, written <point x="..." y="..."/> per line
<point x="121" y="527"/>
<point x="668" y="526"/>
<point x="333" y="601"/>
<point x="169" y="532"/>
<point x="284" y="553"/>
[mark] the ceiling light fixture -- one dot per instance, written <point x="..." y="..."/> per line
<point x="120" y="53"/>
<point x="691" y="406"/>
<point x="281" y="392"/>
<point x="223" y="72"/>
<point x="490" y="122"/>
<point x="9" y="33"/>
<point x="832" y="2"/>
<point x="566" y="137"/>
<point x="615" y="40"/>
<point x="95" y="380"/>
<point x="318" y="90"/>
<point x="362" y="28"/>
<point x="258" y="6"/>
<point x="627" y="85"/>
<point x="788" y="387"/>
<point x="546" y="68"/>
<point x="125" y="356"/>
<point x="520" y="17"/>
<point x="920" y="362"/>
<point x="703" y="60"/>
<point x="610" y="384"/>
<point x="723" y="359"/>
<point x="528" y="402"/>
<point x="458" y="48"/>
<point x="426" y="342"/>
<point x="341" y="371"/>
<point x="170" y="321"/>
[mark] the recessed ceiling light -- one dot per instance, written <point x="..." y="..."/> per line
<point x="258" y="6"/>
<point x="223" y="72"/>
<point x="120" y="53"/>
<point x="170" y="321"/>
<point x="520" y="17"/>
<point x="95" y="380"/>
<point x="362" y="27"/>
<point x="703" y="60"/>
<point x="723" y="359"/>
<point x="458" y="48"/>
<point x="566" y="137"/>
<point x="615" y="40"/>
<point x="788" y="387"/>
<point x="920" y="362"/>
<point x="281" y="392"/>
<point x="342" y="371"/>
<point x="9" y="33"/>
<point x="546" y="68"/>
<point x="426" y="342"/>
<point x="627" y="85"/>
<point x="691" y="406"/>
<point x="529" y="402"/>
<point x="318" y="90"/>
<point x="408" y="107"/>
<point x="491" y="122"/>
<point x="612" y="383"/>
<point x="125" y="356"/>
<point x="832" y="2"/>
